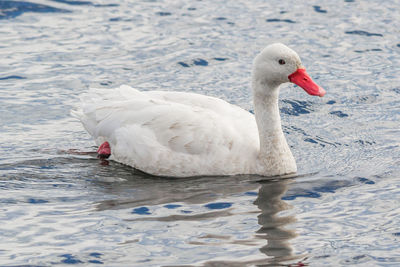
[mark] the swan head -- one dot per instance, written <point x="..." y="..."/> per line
<point x="277" y="64"/>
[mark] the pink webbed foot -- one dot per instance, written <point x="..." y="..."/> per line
<point x="104" y="151"/>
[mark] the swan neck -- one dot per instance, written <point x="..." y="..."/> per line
<point x="266" y="109"/>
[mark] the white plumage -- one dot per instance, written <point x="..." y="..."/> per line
<point x="186" y="134"/>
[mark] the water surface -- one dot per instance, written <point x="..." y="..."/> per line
<point x="59" y="206"/>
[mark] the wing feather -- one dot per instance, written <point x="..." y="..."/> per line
<point x="147" y="128"/>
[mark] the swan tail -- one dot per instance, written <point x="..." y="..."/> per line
<point x="98" y="104"/>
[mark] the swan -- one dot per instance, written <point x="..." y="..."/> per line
<point x="178" y="134"/>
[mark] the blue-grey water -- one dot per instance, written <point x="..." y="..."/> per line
<point x="59" y="206"/>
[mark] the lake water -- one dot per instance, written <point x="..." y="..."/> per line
<point x="59" y="207"/>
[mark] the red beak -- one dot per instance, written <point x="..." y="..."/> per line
<point x="301" y="78"/>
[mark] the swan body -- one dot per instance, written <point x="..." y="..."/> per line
<point x="186" y="134"/>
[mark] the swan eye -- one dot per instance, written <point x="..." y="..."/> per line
<point x="281" y="61"/>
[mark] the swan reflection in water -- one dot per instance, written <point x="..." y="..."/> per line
<point x="141" y="190"/>
<point x="273" y="229"/>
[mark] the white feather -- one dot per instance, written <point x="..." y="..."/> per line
<point x="186" y="134"/>
<point x="171" y="133"/>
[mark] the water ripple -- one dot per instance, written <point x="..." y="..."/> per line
<point x="280" y="20"/>
<point x="364" y="33"/>
<point x="12" y="9"/>
<point x="61" y="205"/>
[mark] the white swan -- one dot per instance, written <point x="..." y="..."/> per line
<point x="186" y="134"/>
